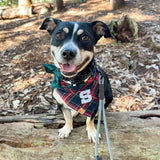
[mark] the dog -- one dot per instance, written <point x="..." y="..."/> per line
<point x="76" y="73"/>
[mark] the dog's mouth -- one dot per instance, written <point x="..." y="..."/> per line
<point x="70" y="69"/>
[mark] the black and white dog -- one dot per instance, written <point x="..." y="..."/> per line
<point x="76" y="74"/>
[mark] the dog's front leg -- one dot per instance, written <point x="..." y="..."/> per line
<point x="66" y="129"/>
<point x="91" y="130"/>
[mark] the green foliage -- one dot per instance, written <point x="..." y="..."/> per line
<point x="8" y="2"/>
<point x="12" y="3"/>
<point x="79" y="1"/>
<point x="40" y="1"/>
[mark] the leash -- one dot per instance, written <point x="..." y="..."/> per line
<point x="102" y="110"/>
<point x="56" y="84"/>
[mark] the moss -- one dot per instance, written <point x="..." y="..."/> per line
<point x="126" y="21"/>
<point x="113" y="28"/>
<point x="124" y="29"/>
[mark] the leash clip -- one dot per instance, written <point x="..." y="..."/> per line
<point x="100" y="79"/>
<point x="101" y="86"/>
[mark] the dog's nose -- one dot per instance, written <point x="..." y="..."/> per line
<point x="68" y="54"/>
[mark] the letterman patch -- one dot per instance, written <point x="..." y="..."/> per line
<point x="85" y="96"/>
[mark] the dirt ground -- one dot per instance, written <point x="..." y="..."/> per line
<point x="25" y="88"/>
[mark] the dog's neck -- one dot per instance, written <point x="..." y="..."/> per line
<point x="83" y="75"/>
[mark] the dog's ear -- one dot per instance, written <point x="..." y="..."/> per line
<point x="101" y="29"/>
<point x="49" y="24"/>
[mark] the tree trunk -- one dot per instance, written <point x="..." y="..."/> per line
<point x="116" y="4"/>
<point x="59" y="4"/>
<point x="24" y="3"/>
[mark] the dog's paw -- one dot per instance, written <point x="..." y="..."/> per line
<point x="64" y="131"/>
<point x="92" y="132"/>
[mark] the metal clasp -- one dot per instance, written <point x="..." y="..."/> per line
<point x="101" y="86"/>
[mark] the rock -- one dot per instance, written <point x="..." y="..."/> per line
<point x="30" y="107"/>
<point x="133" y="135"/>
<point x="32" y="73"/>
<point x="155" y="42"/>
<point x="27" y="98"/>
<point x="1" y="102"/>
<point x="11" y="13"/>
<point x="26" y="91"/>
<point x="125" y="60"/>
<point x="15" y="103"/>
<point x="42" y="82"/>
<point x="44" y="101"/>
<point x="3" y="113"/>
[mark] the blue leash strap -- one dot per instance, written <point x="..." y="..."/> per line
<point x="102" y="110"/>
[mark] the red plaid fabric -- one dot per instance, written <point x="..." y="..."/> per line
<point x="82" y="97"/>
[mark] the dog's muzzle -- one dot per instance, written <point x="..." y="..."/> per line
<point x="68" y="54"/>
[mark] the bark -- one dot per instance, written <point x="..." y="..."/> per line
<point x="59" y="4"/>
<point x="116" y="4"/>
<point x="24" y="3"/>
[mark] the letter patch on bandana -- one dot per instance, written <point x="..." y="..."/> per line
<point x="85" y="96"/>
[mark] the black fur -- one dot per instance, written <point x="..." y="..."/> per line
<point x="72" y="45"/>
<point x="88" y="30"/>
<point x="94" y="30"/>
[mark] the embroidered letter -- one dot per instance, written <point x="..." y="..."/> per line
<point x="85" y="96"/>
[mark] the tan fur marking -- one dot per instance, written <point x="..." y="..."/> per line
<point x="51" y="25"/>
<point x="85" y="54"/>
<point x="98" y="28"/>
<point x="80" y="31"/>
<point x="66" y="30"/>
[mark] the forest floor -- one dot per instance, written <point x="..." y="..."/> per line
<point x="25" y="88"/>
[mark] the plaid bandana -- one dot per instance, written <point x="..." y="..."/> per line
<point x="82" y="97"/>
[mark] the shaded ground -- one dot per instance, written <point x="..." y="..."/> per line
<point x="25" y="87"/>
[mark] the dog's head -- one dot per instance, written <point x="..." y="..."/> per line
<point x="72" y="43"/>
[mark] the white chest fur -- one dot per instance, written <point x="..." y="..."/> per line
<point x="60" y="101"/>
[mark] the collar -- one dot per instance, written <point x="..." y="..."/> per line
<point x="81" y="77"/>
<point x="83" y="98"/>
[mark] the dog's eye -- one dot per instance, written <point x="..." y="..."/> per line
<point x="60" y="35"/>
<point x="85" y="38"/>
